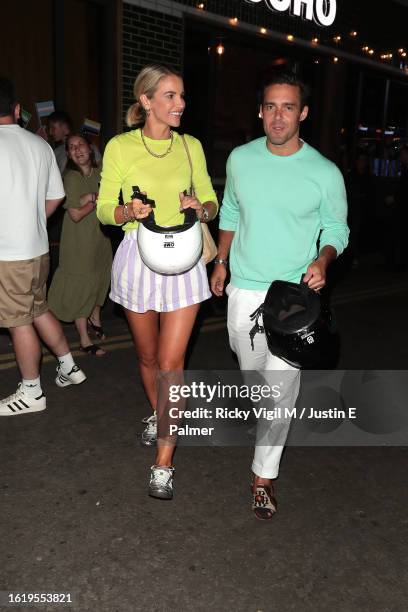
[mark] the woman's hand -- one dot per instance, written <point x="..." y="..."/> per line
<point x="187" y="201"/>
<point x="137" y="210"/>
<point x="88" y="198"/>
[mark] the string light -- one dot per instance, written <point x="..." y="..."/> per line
<point x="220" y="48"/>
<point x="200" y="6"/>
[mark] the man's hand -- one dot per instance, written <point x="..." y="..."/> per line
<point x="217" y="280"/>
<point x="315" y="275"/>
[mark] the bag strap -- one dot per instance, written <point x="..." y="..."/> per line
<point x="257" y="328"/>
<point x="190" y="163"/>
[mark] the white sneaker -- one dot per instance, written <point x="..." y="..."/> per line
<point x="161" y="482"/>
<point x="74" y="377"/>
<point x="149" y="434"/>
<point x="21" y="403"/>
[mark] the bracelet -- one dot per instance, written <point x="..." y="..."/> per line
<point x="205" y="215"/>
<point x="126" y="217"/>
<point x="224" y="262"/>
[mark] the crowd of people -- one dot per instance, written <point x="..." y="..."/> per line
<point x="283" y="217"/>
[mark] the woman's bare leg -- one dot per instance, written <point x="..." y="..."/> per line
<point x="82" y="329"/>
<point x="95" y="316"/>
<point x="144" y="328"/>
<point x="175" y="332"/>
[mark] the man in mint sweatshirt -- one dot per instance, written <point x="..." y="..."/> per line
<point x="281" y="196"/>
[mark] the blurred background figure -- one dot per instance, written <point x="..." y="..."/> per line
<point x="59" y="128"/>
<point x="401" y="200"/>
<point x="81" y="281"/>
<point x="360" y="206"/>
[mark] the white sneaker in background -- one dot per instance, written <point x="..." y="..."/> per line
<point x="75" y="377"/>
<point x="21" y="403"/>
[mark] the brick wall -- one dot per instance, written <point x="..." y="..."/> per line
<point x="148" y="36"/>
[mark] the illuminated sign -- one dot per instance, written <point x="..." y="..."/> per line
<point x="322" y="12"/>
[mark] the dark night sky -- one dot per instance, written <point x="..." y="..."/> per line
<point x="383" y="26"/>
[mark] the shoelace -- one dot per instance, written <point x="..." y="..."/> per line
<point x="75" y="368"/>
<point x="161" y="478"/>
<point x="18" y="395"/>
<point x="14" y="396"/>
<point x="151" y="430"/>
<point x="151" y="423"/>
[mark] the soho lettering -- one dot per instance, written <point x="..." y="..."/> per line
<point x="322" y="12"/>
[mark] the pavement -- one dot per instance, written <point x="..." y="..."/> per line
<point x="77" y="518"/>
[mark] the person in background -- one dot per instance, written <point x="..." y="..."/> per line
<point x="401" y="201"/>
<point x="30" y="191"/>
<point x="60" y="126"/>
<point x="161" y="310"/>
<point x="360" y="199"/>
<point x="81" y="281"/>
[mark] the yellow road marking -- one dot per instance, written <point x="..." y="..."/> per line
<point x="114" y="343"/>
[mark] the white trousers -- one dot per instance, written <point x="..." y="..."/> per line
<point x="271" y="434"/>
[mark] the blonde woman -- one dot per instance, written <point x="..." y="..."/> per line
<point x="161" y="310"/>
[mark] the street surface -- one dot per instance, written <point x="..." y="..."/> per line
<point x="76" y="517"/>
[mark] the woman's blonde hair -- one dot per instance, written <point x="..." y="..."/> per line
<point x="146" y="83"/>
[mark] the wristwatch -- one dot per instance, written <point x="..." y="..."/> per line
<point x="224" y="262"/>
<point x="205" y="214"/>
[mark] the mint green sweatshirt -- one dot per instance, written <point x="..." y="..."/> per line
<point x="278" y="206"/>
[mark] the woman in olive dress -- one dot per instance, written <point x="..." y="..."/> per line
<point x="81" y="281"/>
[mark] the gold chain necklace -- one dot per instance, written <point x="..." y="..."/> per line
<point x="158" y="154"/>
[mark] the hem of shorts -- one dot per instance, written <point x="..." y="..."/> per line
<point x="26" y="320"/>
<point x="168" y="308"/>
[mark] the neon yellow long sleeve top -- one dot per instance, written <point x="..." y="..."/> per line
<point x="127" y="163"/>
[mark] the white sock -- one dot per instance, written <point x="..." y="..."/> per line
<point x="66" y="362"/>
<point x="32" y="387"/>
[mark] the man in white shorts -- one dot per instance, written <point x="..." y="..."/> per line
<point x="30" y="190"/>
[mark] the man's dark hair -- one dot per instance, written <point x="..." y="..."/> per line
<point x="7" y="97"/>
<point x="60" y="116"/>
<point x="286" y="78"/>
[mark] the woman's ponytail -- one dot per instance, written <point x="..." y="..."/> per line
<point x="135" y="115"/>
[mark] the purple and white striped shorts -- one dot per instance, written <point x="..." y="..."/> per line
<point x="139" y="289"/>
